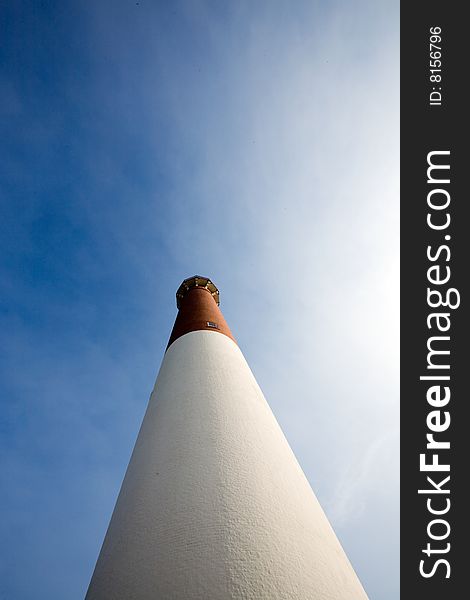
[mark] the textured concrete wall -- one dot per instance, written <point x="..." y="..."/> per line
<point x="214" y="505"/>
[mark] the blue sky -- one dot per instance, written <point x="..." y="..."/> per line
<point x="143" y="142"/>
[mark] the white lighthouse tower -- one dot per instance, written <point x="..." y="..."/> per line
<point x="214" y="505"/>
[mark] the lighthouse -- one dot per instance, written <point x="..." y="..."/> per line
<point x="214" y="505"/>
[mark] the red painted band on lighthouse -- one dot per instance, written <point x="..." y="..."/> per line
<point x="198" y="310"/>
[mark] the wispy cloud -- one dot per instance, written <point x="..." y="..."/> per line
<point x="364" y="477"/>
